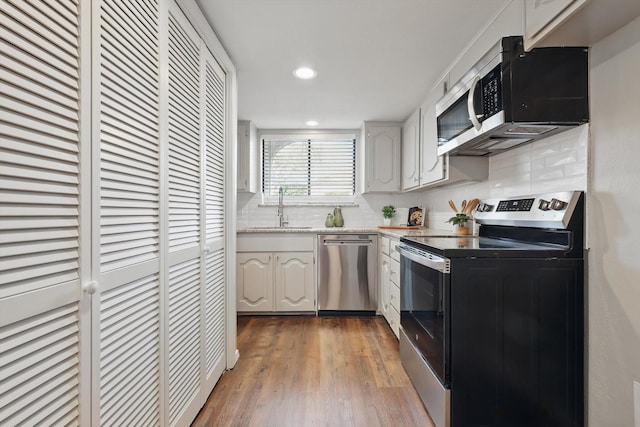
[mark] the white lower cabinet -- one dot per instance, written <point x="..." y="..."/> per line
<point x="294" y="285"/>
<point x="274" y="280"/>
<point x="389" y="283"/>
<point x="254" y="277"/>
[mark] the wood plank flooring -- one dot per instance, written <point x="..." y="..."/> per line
<point x="315" y="371"/>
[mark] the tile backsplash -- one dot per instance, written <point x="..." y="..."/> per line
<point x="366" y="211"/>
<point x="557" y="163"/>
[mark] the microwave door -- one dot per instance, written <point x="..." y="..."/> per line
<point x="474" y="103"/>
<point x="455" y="124"/>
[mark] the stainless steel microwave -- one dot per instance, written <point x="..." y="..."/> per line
<point x="511" y="97"/>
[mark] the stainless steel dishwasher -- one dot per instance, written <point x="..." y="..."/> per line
<point x="347" y="279"/>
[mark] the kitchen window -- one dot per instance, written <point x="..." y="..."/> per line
<point x="310" y="168"/>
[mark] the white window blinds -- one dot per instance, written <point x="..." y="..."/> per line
<point x="310" y="168"/>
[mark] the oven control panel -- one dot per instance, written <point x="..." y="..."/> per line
<point x="518" y="205"/>
<point x="549" y="210"/>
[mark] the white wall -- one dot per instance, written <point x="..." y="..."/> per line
<point x="614" y="204"/>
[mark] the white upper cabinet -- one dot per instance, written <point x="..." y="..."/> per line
<point x="411" y="152"/>
<point x="247" y="157"/>
<point x="575" y="22"/>
<point x="541" y="17"/>
<point x="382" y="157"/>
<point x="431" y="165"/>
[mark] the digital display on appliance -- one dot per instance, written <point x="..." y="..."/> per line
<point x="520" y="205"/>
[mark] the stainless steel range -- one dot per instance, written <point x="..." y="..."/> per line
<point x="492" y="326"/>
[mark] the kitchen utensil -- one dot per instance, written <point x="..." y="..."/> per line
<point x="453" y="206"/>
<point x="472" y="205"/>
<point x="464" y="206"/>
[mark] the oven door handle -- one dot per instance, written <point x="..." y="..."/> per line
<point x="433" y="262"/>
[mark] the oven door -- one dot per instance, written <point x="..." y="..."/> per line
<point x="424" y="302"/>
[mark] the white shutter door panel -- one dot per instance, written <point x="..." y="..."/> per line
<point x="214" y="146"/>
<point x="214" y="281"/>
<point x="129" y="363"/>
<point x="39" y="144"/>
<point x="129" y="133"/>
<point x="128" y="213"/>
<point x="184" y="135"/>
<point x="39" y="213"/>
<point x="39" y="358"/>
<point x="185" y="339"/>
<point x="215" y="313"/>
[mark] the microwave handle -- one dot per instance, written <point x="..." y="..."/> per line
<point x="472" y="112"/>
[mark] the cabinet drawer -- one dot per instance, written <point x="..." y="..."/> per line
<point x="394" y="321"/>
<point x="393" y="250"/>
<point x="384" y="245"/>
<point x="275" y="242"/>
<point x="395" y="297"/>
<point x="395" y="272"/>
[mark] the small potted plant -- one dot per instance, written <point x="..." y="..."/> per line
<point x="388" y="212"/>
<point x="460" y="220"/>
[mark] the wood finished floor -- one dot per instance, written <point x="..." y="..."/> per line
<point x="311" y="371"/>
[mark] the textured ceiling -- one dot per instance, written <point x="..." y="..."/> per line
<point x="376" y="59"/>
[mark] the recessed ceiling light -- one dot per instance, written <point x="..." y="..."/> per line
<point x="311" y="123"/>
<point x="305" y="73"/>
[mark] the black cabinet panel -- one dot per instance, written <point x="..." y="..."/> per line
<point x="517" y="342"/>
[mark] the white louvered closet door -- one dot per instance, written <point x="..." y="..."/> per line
<point x="214" y="324"/>
<point x="126" y="233"/>
<point x="184" y="240"/>
<point x="41" y="225"/>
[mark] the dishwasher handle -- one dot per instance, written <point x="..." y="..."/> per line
<point x="347" y="242"/>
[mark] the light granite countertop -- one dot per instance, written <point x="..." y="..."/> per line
<point x="390" y="232"/>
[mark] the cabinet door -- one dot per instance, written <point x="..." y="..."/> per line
<point x="243" y="163"/>
<point x="411" y="152"/>
<point x="431" y="165"/>
<point x="127" y="240"/>
<point x="247" y="157"/>
<point x="213" y="233"/>
<point x="539" y="14"/>
<point x="294" y="284"/>
<point x="44" y="229"/>
<point x="382" y="159"/>
<point x="254" y="279"/>
<point x="385" y="287"/>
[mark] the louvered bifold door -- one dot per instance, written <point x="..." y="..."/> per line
<point x="214" y="324"/>
<point x="40" y="220"/>
<point x="127" y="199"/>
<point x="184" y="243"/>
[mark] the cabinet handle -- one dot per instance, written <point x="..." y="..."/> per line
<point x="90" y="287"/>
<point x="472" y="112"/>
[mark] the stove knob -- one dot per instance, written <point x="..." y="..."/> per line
<point x="557" y="205"/>
<point x="484" y="207"/>
<point x="543" y="205"/>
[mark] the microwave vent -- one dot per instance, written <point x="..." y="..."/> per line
<point x="495" y="144"/>
<point x="529" y="130"/>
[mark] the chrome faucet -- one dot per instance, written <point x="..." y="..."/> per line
<point x="281" y="207"/>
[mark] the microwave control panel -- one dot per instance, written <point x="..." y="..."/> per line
<point x="491" y="93"/>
